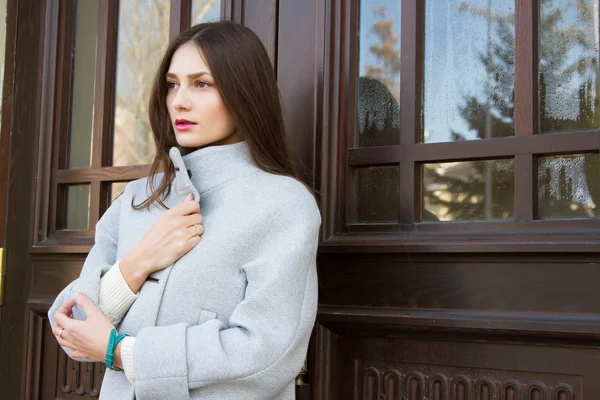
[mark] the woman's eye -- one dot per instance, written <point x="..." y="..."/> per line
<point x="202" y="85"/>
<point x="171" y="85"/>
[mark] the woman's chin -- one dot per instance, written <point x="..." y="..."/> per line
<point x="189" y="140"/>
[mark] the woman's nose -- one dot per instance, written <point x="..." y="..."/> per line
<point x="181" y="100"/>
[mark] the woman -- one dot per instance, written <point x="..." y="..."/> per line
<point x="208" y="267"/>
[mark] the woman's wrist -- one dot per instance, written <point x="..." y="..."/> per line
<point x="134" y="273"/>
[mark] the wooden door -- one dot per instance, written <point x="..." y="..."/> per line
<point x="456" y="154"/>
<point x="79" y="129"/>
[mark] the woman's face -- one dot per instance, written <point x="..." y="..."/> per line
<point x="197" y="112"/>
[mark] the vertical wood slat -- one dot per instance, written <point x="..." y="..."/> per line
<point x="525" y="188"/>
<point x="296" y="70"/>
<point x="411" y="77"/>
<point x="103" y="102"/>
<point x="261" y="17"/>
<point x="31" y="31"/>
<point x="526" y="67"/>
<point x="61" y="109"/>
<point x="345" y="184"/>
<point x="179" y="17"/>
<point x="7" y="90"/>
<point x="526" y="103"/>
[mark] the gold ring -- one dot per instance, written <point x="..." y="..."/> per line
<point x="60" y="333"/>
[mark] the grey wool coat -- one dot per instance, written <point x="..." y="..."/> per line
<point x="232" y="318"/>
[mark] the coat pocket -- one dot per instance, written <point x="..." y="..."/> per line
<point x="206" y="316"/>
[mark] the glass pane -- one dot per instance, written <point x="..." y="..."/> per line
<point x="143" y="36"/>
<point x="376" y="195"/>
<point x="568" y="65"/>
<point x="82" y="98"/>
<point x="568" y="186"/>
<point x="469" y="70"/>
<point x="378" y="91"/>
<point x="74" y="212"/>
<point x="205" y="11"/>
<point x="468" y="191"/>
<point x="116" y="189"/>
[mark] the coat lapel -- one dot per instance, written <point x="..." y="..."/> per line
<point x="144" y="312"/>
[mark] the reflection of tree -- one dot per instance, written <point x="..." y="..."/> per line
<point x="568" y="76"/>
<point x="483" y="193"/>
<point x="143" y="34"/>
<point x="386" y="52"/>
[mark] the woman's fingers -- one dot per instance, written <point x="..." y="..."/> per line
<point x="61" y="319"/>
<point x="67" y="308"/>
<point x="194" y="230"/>
<point x="66" y="343"/>
<point x="187" y="208"/>
<point x="78" y="354"/>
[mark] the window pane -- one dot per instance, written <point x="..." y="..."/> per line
<point x="469" y="70"/>
<point x="74" y="210"/>
<point x="205" y="11"/>
<point x="376" y="195"/>
<point x="378" y="92"/>
<point x="84" y="72"/>
<point x="143" y="36"/>
<point x="468" y="191"/>
<point x="568" y="65"/>
<point x="116" y="189"/>
<point x="568" y="186"/>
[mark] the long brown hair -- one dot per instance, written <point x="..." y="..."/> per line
<point x="245" y="80"/>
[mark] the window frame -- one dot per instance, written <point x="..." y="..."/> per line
<point x="521" y="234"/>
<point x="55" y="115"/>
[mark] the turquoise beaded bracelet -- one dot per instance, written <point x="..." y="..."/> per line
<point x="113" y="340"/>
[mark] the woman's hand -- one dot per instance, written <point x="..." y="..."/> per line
<point x="177" y="231"/>
<point x="86" y="339"/>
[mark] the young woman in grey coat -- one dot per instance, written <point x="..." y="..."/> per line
<point x="208" y="265"/>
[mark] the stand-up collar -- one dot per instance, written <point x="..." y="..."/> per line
<point x="211" y="166"/>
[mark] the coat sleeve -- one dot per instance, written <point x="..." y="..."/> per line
<point x="262" y="347"/>
<point x="101" y="258"/>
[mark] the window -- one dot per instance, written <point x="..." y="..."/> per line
<point x="464" y="125"/>
<point x="106" y="54"/>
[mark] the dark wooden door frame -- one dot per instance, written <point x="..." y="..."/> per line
<point x="6" y="106"/>
<point x="23" y="39"/>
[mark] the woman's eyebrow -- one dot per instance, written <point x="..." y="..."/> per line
<point x="190" y="76"/>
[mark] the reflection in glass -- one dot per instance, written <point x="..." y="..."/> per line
<point x="378" y="91"/>
<point x="205" y="11"/>
<point x="116" y="189"/>
<point x="143" y="36"/>
<point x="469" y="191"/>
<point x="469" y="70"/>
<point x="84" y="73"/>
<point x="568" y="65"/>
<point x="568" y="186"/>
<point x="74" y="213"/>
<point x="376" y="195"/>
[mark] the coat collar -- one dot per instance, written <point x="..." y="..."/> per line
<point x="209" y="167"/>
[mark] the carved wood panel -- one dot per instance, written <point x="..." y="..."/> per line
<point x="381" y="381"/>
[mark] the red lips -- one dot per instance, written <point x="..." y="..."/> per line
<point x="184" y="122"/>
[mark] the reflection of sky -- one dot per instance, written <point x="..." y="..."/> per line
<point x="367" y="38"/>
<point x="213" y="13"/>
<point x="454" y="42"/>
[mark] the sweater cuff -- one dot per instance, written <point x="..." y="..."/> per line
<point x="127" y="346"/>
<point x="115" y="297"/>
